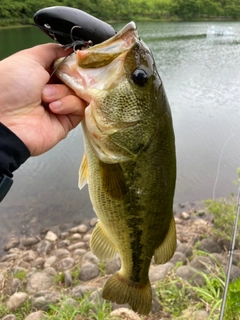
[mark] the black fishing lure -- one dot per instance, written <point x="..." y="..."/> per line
<point x="72" y="27"/>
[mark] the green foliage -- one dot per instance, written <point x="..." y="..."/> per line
<point x="224" y="212"/>
<point x="20" y="313"/>
<point x="233" y="300"/>
<point x="20" y="274"/>
<point x="22" y="11"/>
<point x="173" y="294"/>
<point x="84" y="310"/>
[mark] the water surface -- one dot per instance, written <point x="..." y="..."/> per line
<point x="202" y="80"/>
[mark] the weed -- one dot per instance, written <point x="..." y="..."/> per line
<point x="59" y="278"/>
<point x="84" y="310"/>
<point x="173" y="294"/>
<point x="233" y="300"/>
<point x="224" y="212"/>
<point x="101" y="266"/>
<point x="20" y="274"/>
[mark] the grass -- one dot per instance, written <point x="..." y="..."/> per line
<point x="84" y="310"/>
<point x="20" y="274"/>
<point x="224" y="212"/>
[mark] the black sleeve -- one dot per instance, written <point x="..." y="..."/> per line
<point x="13" y="153"/>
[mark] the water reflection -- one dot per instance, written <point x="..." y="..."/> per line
<point x="202" y="81"/>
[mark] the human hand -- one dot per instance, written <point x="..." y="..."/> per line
<point x="23" y="86"/>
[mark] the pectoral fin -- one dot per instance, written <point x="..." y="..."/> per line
<point x="113" y="180"/>
<point x="167" y="248"/>
<point x="83" y="172"/>
<point x="101" y="245"/>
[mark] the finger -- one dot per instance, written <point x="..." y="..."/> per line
<point x="53" y="92"/>
<point x="45" y="54"/>
<point x="68" y="105"/>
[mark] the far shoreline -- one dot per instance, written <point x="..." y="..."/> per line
<point x="18" y="24"/>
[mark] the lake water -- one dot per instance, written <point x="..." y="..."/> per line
<point x="202" y="81"/>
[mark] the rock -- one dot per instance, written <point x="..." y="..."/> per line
<point x="30" y="241"/>
<point x="89" y="271"/>
<point x="96" y="298"/>
<point x="185" y="215"/>
<point x="39" y="281"/>
<point x="159" y="272"/>
<point x="79" y="291"/>
<point x="60" y="253"/>
<point x="77" y="245"/>
<point x="236" y="257"/>
<point x="24" y="264"/>
<point x="9" y="317"/>
<point x="38" y="315"/>
<point x="76" y="236"/>
<point x="209" y="245"/>
<point x="50" y="261"/>
<point x="113" y="265"/>
<point x="219" y="259"/>
<point x="82" y="228"/>
<point x="93" y="221"/>
<point x="15" y="286"/>
<point x="64" y="235"/>
<point x="87" y="238"/>
<point x="201" y="315"/>
<point x="29" y="256"/>
<point x="78" y="253"/>
<point x="43" y="247"/>
<point x="202" y="263"/>
<point x="124" y="313"/>
<point x="178" y="257"/>
<point x="2" y="279"/>
<point x="9" y="257"/>
<point x="50" y="271"/>
<point x="13" y="242"/>
<point x="64" y="243"/>
<point x="3" y="265"/>
<point x="90" y="257"/>
<point x="156" y="307"/>
<point x="51" y="236"/>
<point x="67" y="278"/>
<point x="38" y="263"/>
<point x="191" y="275"/>
<point x="16" y="300"/>
<point x="66" y="263"/>
<point x="187" y="250"/>
<point x="224" y="244"/>
<point x="42" y="300"/>
<point x="234" y="273"/>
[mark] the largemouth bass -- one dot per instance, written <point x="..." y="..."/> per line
<point x="129" y="162"/>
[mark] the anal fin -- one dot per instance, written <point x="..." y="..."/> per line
<point x="167" y="248"/>
<point x="101" y="245"/>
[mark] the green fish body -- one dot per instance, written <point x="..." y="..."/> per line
<point x="129" y="162"/>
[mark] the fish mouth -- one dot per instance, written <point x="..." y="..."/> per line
<point x="104" y="53"/>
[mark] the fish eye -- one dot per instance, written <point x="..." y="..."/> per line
<point x="140" y="77"/>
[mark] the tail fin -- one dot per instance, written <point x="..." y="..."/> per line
<point x="137" y="295"/>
